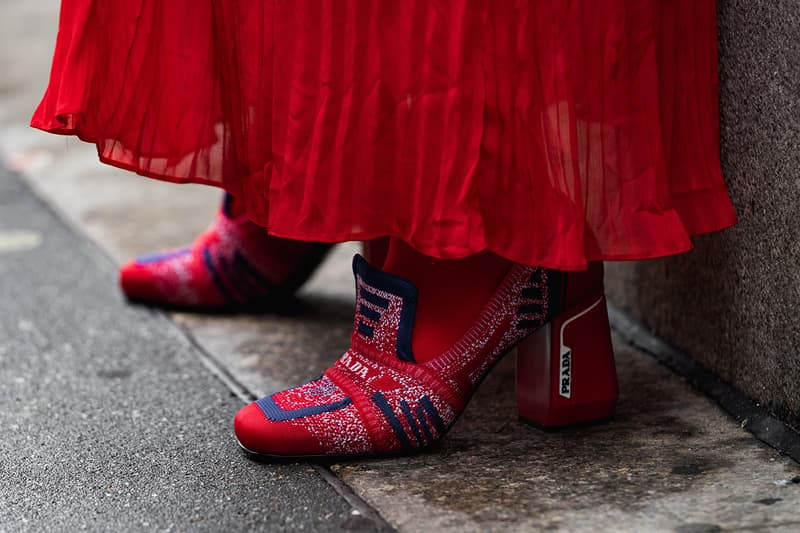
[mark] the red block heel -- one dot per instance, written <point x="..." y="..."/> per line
<point x="565" y="370"/>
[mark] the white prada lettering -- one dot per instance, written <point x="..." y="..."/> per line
<point x="354" y="366"/>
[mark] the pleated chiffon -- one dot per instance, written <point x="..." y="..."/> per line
<point x="551" y="132"/>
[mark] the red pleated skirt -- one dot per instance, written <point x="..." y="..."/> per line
<point x="551" y="132"/>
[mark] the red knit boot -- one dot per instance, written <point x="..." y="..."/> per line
<point x="233" y="266"/>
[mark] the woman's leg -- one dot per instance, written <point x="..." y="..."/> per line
<point x="451" y="293"/>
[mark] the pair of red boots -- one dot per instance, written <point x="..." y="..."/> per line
<point x="379" y="397"/>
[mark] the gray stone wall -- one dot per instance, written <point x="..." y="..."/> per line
<point x="734" y="302"/>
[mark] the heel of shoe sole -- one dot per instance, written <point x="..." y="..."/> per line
<point x="565" y="370"/>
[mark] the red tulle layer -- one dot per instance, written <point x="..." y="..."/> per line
<point x="551" y="132"/>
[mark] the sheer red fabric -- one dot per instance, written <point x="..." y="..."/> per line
<point x="550" y="132"/>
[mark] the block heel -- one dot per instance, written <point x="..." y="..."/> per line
<point x="565" y="370"/>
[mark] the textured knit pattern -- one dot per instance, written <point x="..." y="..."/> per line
<point x="233" y="264"/>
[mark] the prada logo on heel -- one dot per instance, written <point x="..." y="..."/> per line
<point x="565" y="353"/>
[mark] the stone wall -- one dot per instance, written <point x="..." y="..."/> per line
<point x="734" y="302"/>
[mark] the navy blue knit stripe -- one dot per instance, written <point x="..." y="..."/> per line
<point x="277" y="414"/>
<point x="411" y="422"/>
<point x="556" y="291"/>
<point x="369" y="313"/>
<point x="529" y="309"/>
<point x="237" y="290"/>
<point x="404" y="330"/>
<point x="244" y="266"/>
<point x="380" y="400"/>
<point x="533" y="293"/>
<point x="245" y="286"/>
<point x="240" y="278"/>
<point x="364" y="329"/>
<point x="215" y="276"/>
<point x="227" y="205"/>
<point x="375" y="279"/>
<point x="374" y="299"/>
<point x="157" y="257"/>
<point x="424" y="423"/>
<point x="430" y="409"/>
